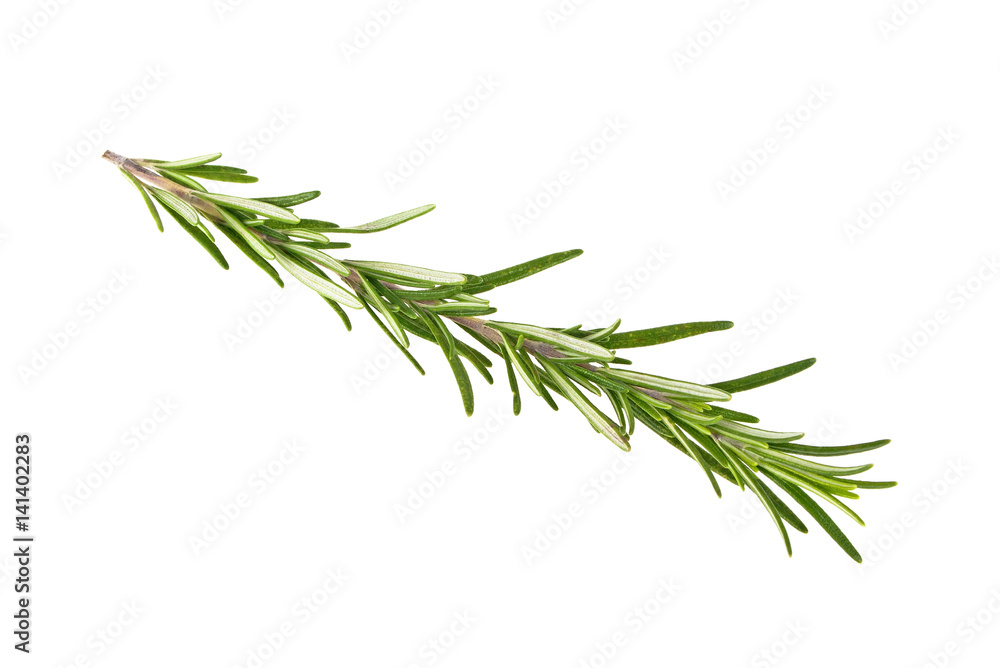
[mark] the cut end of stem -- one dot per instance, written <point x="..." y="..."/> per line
<point x="113" y="157"/>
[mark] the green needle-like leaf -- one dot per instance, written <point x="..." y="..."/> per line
<point x="657" y="335"/>
<point x="452" y="309"/>
<point x="387" y="222"/>
<point x="347" y="325"/>
<point x="183" y="209"/>
<point x="572" y="372"/>
<point x="517" y="272"/>
<point x="464" y="384"/>
<point x="319" y="257"/>
<point x="251" y="206"/>
<point x="512" y="377"/>
<point x="821" y="481"/>
<point x="629" y="415"/>
<point x="871" y="484"/>
<point x="709" y="443"/>
<point x="797" y="463"/>
<point x="476" y="359"/>
<point x="306" y="224"/>
<point x="820" y="515"/>
<point x="570" y="343"/>
<point x="548" y="397"/>
<point x="764" y="377"/>
<point x="322" y="286"/>
<point x="183" y="180"/>
<point x="177" y="205"/>
<point x="214" y="168"/>
<point x="604" y="333"/>
<point x="693" y="452"/>
<point x="738" y="429"/>
<point x="522" y="366"/>
<point x="330" y="245"/>
<point x="200" y="237"/>
<point x="601" y="422"/>
<point x="441" y="334"/>
<point x="674" y="388"/>
<point x="753" y="483"/>
<point x="286" y="201"/>
<point x="249" y="237"/>
<point x="429" y="294"/>
<point x="618" y="403"/>
<point x="786" y="513"/>
<point x="308" y="235"/>
<point x="255" y="257"/>
<point x="375" y="299"/>
<point x="734" y="466"/>
<point x="190" y="162"/>
<point x="272" y="233"/>
<point x="829" y="451"/>
<point x="803" y="482"/>
<point x="395" y="303"/>
<point x="145" y="198"/>
<point x="406" y="274"/>
<point x="601" y="378"/>
<point x="392" y="337"/>
<point x="220" y="173"/>
<point x="735" y="416"/>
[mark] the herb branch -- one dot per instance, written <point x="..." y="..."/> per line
<point x="580" y="365"/>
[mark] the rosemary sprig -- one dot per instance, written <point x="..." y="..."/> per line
<point x="568" y="362"/>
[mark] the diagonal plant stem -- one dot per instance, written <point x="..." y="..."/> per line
<point x="581" y="366"/>
<point x="151" y="178"/>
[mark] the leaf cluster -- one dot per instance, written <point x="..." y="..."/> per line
<point x="580" y="366"/>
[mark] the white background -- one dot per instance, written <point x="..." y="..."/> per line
<point x="271" y="85"/>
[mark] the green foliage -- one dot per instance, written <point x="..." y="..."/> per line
<point x="517" y="272"/>
<point x="657" y="335"/>
<point x="765" y="377"/>
<point x="578" y="365"/>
